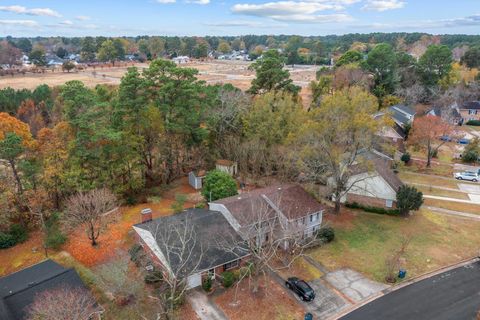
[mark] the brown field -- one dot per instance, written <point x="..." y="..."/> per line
<point x="216" y="71"/>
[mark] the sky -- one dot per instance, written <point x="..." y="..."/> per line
<point x="235" y="17"/>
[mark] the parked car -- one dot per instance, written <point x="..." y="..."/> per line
<point x="446" y="138"/>
<point x="467" y="175"/>
<point x="301" y="288"/>
<point x="463" y="141"/>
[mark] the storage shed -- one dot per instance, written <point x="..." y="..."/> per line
<point x="227" y="166"/>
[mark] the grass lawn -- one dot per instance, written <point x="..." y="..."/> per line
<point x="432" y="191"/>
<point x="364" y="241"/>
<point x="407" y="177"/>
<point x="301" y="268"/>
<point x="455" y="206"/>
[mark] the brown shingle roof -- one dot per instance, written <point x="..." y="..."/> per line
<point x="224" y="162"/>
<point x="291" y="199"/>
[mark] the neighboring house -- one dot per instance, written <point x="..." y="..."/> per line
<point x="18" y="290"/>
<point x="227" y="166"/>
<point x="402" y="115"/>
<point x="195" y="179"/>
<point x="188" y="246"/>
<point x="181" y="59"/>
<point x="289" y="207"/>
<point x="470" y="111"/>
<point x="373" y="185"/>
<point x="450" y="115"/>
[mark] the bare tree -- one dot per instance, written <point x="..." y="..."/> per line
<point x="183" y="253"/>
<point x="89" y="209"/>
<point x="271" y="237"/>
<point x="64" y="303"/>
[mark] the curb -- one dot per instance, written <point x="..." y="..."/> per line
<point x="405" y="284"/>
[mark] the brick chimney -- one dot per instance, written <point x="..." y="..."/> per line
<point x="146" y="215"/>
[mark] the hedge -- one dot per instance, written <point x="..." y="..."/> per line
<point x="473" y="123"/>
<point x="16" y="234"/>
<point x="390" y="212"/>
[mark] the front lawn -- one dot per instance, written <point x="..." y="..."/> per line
<point x="411" y="177"/>
<point x="364" y="241"/>
<point x="454" y="206"/>
<point x="432" y="191"/>
<point x="271" y="302"/>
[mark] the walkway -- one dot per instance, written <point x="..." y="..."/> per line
<point x="204" y="307"/>
<point x="451" y="199"/>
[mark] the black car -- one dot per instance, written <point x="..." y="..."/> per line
<point x="301" y="288"/>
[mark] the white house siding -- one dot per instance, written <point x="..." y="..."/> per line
<point x="194" y="280"/>
<point x="369" y="185"/>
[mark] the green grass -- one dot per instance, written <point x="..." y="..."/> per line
<point x="455" y="206"/>
<point x="407" y="177"/>
<point x="432" y="191"/>
<point x="365" y="241"/>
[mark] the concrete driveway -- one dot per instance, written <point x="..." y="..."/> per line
<point x="354" y="285"/>
<point x="327" y="302"/>
<point x="473" y="191"/>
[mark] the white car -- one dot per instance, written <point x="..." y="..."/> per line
<point x="469" y="176"/>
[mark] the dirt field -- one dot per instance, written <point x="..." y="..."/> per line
<point x="234" y="72"/>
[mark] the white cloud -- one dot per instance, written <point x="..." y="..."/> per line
<point x="33" y="12"/>
<point x="303" y="12"/>
<point x="166" y="1"/>
<point x="21" y="23"/>
<point x="82" y="18"/>
<point x="383" y="5"/>
<point x="202" y="2"/>
<point x="67" y="23"/>
<point x="469" y="21"/>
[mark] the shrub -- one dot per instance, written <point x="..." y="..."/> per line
<point x="180" y="200"/>
<point x="326" y="234"/>
<point x="6" y="240"/>
<point x="207" y="284"/>
<point x="473" y="123"/>
<point x="136" y="253"/>
<point x="228" y="279"/>
<point x="408" y="198"/>
<point x="19" y="233"/>
<point x="153" y="277"/>
<point x="355" y="205"/>
<point x="54" y="237"/>
<point x="470" y="156"/>
<point x="218" y="185"/>
<point x="406" y="157"/>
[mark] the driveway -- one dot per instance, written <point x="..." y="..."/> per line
<point x="204" y="307"/>
<point x="354" y="285"/>
<point x="454" y="294"/>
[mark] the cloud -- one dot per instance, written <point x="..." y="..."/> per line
<point x="33" y="12"/>
<point x="292" y="11"/>
<point x="21" y="23"/>
<point x="66" y="23"/>
<point x="243" y="23"/>
<point x="469" y="21"/>
<point x="383" y="5"/>
<point x="166" y="1"/>
<point x="202" y="2"/>
<point x="82" y="18"/>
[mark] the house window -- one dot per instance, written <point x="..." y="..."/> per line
<point x="211" y="274"/>
<point x="318" y="216"/>
<point x="231" y="265"/>
<point x="389" y="203"/>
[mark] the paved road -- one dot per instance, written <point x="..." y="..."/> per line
<point x="454" y="294"/>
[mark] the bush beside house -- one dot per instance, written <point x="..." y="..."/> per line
<point x="218" y="185"/>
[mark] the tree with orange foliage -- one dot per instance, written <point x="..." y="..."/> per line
<point x="427" y="131"/>
<point x="53" y="154"/>
<point x="15" y="137"/>
<point x="32" y="114"/>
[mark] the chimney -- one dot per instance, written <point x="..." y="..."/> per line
<point x="146" y="215"/>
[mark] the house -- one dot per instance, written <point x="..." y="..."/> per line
<point x="18" y="290"/>
<point x="374" y="185"/>
<point x="470" y="111"/>
<point x="450" y="115"/>
<point x="227" y="166"/>
<point x="402" y="115"/>
<point x="181" y="59"/>
<point x="186" y="246"/>
<point x="195" y="178"/>
<point x="287" y="206"/>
